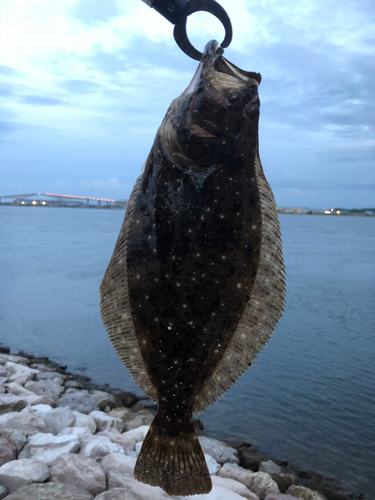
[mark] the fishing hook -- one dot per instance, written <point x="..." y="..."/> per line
<point x="177" y="12"/>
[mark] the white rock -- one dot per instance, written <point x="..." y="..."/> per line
<point x="20" y="374"/>
<point x="138" y="447"/>
<point x="27" y="424"/>
<point x="18" y="439"/>
<point x="78" y="400"/>
<point x="17" y="473"/>
<point x="38" y="400"/>
<point x="262" y="484"/>
<point x="98" y="446"/>
<point x="18" y="390"/>
<point x="50" y="491"/>
<point x="279" y="496"/>
<point x="3" y="372"/>
<point x="47" y="447"/>
<point x="45" y="388"/>
<point x="213" y="466"/>
<point x="121" y="412"/>
<point x="4" y="358"/>
<point x="82" y="433"/>
<point x="304" y="493"/>
<point x="218" y="450"/>
<point x="237" y="487"/>
<point x="103" y="400"/>
<point x="218" y="493"/>
<point x="39" y="409"/>
<point x="118" y="483"/>
<point x="122" y="464"/>
<point x="283" y="476"/>
<point x="79" y="470"/>
<point x="142" y="417"/>
<point x="83" y="420"/>
<point x="57" y="378"/>
<point x="131" y="453"/>
<point x="10" y="402"/>
<point x="58" y="418"/>
<point x="105" y="422"/>
<point x="234" y="471"/>
<point x="135" y="435"/>
<point x="3" y="492"/>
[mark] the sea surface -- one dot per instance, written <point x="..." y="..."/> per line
<point x="310" y="396"/>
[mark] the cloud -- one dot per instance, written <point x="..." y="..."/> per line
<point x="8" y="71"/>
<point x="37" y="100"/>
<point x="113" y="185"/>
<point x="95" y="11"/>
<point x="77" y="86"/>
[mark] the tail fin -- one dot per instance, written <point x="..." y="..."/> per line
<point x="171" y="457"/>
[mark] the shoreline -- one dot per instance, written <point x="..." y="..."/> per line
<point x="69" y="406"/>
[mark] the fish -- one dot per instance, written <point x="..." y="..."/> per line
<point x="196" y="283"/>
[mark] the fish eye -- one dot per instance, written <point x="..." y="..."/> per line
<point x="234" y="97"/>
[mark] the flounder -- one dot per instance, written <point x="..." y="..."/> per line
<point x="195" y="286"/>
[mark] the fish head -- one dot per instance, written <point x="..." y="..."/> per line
<point x="220" y="103"/>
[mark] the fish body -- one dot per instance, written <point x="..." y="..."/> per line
<point x="195" y="286"/>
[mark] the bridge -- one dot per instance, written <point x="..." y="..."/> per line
<point x="60" y="200"/>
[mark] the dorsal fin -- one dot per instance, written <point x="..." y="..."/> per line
<point x="115" y="307"/>
<point x="263" y="310"/>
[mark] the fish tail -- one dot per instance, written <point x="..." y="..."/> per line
<point x="171" y="457"/>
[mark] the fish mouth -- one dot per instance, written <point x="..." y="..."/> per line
<point x="213" y="59"/>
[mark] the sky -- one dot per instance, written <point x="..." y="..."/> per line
<point x="84" y="85"/>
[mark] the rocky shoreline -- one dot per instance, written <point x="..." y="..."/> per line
<point x="64" y="438"/>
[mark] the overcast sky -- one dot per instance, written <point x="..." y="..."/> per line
<point x="84" y="85"/>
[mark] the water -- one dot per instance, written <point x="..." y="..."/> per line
<point x="310" y="396"/>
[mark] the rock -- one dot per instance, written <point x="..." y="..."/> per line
<point x="3" y="372"/>
<point x="45" y="388"/>
<point x="58" y="418"/>
<point x="283" y="476"/>
<point x="18" y="473"/>
<point x="42" y="367"/>
<point x="122" y="464"/>
<point x="27" y="424"/>
<point x="135" y="489"/>
<point x="50" y="491"/>
<point x="305" y="493"/>
<point x="131" y="453"/>
<point x="82" y="433"/>
<point x="3" y="492"/>
<point x="83" y="420"/>
<point x="130" y="493"/>
<point x="98" y="446"/>
<point x="104" y="401"/>
<point x="138" y="447"/>
<point x="128" y="398"/>
<point x="39" y="409"/>
<point x="10" y="402"/>
<point x="38" y="400"/>
<point x="78" y="401"/>
<point x="259" y="483"/>
<point x="47" y="447"/>
<point x="121" y="412"/>
<point x="135" y="420"/>
<point x="332" y="488"/>
<point x="12" y="358"/>
<point x="135" y="435"/>
<point x="262" y="484"/>
<point x="69" y="384"/>
<point x="16" y="437"/>
<point x="4" y="349"/>
<point x="213" y="466"/>
<point x="251" y="457"/>
<point x="232" y="485"/>
<point x="145" y="405"/>
<point x="105" y="422"/>
<point x="20" y="374"/>
<point x="81" y="471"/>
<point x="57" y="378"/>
<point x="279" y="496"/>
<point x="8" y="451"/>
<point x="18" y="390"/>
<point x="218" y="450"/>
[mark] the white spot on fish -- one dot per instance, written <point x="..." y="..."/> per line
<point x="239" y="285"/>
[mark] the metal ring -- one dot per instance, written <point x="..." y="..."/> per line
<point x="211" y="6"/>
